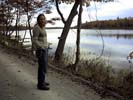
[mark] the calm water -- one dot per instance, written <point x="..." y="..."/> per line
<point x="115" y="44"/>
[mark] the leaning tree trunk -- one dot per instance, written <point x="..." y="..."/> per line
<point x="78" y="35"/>
<point x="62" y="39"/>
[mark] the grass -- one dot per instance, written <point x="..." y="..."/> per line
<point x="10" y="43"/>
<point x="98" y="71"/>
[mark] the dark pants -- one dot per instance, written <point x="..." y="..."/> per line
<point x="42" y="55"/>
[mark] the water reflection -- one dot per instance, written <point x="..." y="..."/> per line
<point x="126" y="36"/>
<point x="116" y="46"/>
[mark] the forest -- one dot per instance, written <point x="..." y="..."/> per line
<point x="119" y="23"/>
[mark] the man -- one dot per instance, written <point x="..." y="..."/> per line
<point x="40" y="44"/>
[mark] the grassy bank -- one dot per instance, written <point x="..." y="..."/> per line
<point x="98" y="72"/>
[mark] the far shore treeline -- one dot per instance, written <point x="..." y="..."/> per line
<point x="119" y="23"/>
<point x="21" y="27"/>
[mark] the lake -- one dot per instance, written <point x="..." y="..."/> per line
<point x="113" y="45"/>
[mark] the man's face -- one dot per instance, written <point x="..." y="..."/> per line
<point x="42" y="21"/>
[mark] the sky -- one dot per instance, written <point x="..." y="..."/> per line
<point x="97" y="11"/>
<point x="121" y="8"/>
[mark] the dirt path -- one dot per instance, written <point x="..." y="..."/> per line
<point x="18" y="82"/>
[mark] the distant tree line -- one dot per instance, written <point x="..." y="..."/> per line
<point x="119" y="23"/>
<point x="12" y="27"/>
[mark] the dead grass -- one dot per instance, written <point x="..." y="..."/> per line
<point x="97" y="71"/>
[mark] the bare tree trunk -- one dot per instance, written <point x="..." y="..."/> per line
<point x="78" y="34"/>
<point x="62" y="39"/>
<point x="17" y="21"/>
<point x="24" y="34"/>
<point x="8" y="19"/>
<point x="28" y="17"/>
<point x="3" y="21"/>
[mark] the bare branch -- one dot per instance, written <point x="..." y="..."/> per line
<point x="58" y="10"/>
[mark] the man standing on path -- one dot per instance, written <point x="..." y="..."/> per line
<point x="40" y="44"/>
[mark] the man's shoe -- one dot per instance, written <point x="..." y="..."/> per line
<point x="42" y="87"/>
<point x="46" y="83"/>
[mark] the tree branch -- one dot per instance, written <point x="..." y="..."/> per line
<point x="58" y="10"/>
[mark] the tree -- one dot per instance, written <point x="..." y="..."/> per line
<point x="67" y="23"/>
<point x="62" y="39"/>
<point x="24" y="7"/>
<point x="78" y="35"/>
<point x="28" y="8"/>
<point x="6" y="16"/>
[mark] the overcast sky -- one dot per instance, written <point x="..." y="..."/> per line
<point x="121" y="8"/>
<point x="98" y="11"/>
